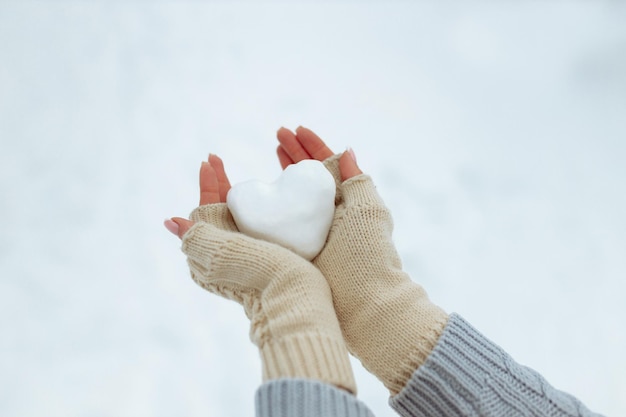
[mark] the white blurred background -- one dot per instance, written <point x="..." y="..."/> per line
<point x="495" y="131"/>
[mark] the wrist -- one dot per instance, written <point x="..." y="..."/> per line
<point x="297" y="332"/>
<point x="315" y="356"/>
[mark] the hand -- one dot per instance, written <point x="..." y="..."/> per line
<point x="305" y="144"/>
<point x="214" y="186"/>
<point x="287" y="299"/>
<point x="387" y="320"/>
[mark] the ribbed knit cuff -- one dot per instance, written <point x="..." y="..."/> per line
<point x="311" y="356"/>
<point x="430" y="324"/>
<point x="306" y="398"/>
<point x="467" y="374"/>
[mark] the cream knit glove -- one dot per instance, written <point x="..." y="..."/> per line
<point x="287" y="299"/>
<point x="387" y="320"/>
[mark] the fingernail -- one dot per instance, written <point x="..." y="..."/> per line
<point x="351" y="152"/>
<point x="171" y="226"/>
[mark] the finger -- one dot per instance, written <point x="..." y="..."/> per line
<point x="283" y="158"/>
<point x="183" y="225"/>
<point x="171" y="226"/>
<point x="290" y="144"/>
<point x="347" y="165"/>
<point x="222" y="180"/>
<point x="178" y="226"/>
<point x="209" y="187"/>
<point x="312" y="143"/>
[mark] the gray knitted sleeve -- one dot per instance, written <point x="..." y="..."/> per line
<point x="306" y="398"/>
<point x="468" y="375"/>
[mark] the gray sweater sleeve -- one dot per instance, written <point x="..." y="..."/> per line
<point x="465" y="375"/>
<point x="468" y="375"/>
<point x="306" y="398"/>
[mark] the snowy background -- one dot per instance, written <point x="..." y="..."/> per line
<point x="495" y="131"/>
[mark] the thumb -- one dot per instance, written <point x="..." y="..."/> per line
<point x="347" y="165"/>
<point x="178" y="226"/>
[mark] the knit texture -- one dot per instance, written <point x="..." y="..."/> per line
<point x="468" y="375"/>
<point x="387" y="320"/>
<point x="287" y="299"/>
<point x="305" y="398"/>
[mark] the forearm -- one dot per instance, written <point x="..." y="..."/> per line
<point x="466" y="374"/>
<point x="288" y="301"/>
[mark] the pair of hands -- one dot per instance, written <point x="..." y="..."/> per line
<point x="293" y="147"/>
<point x="288" y="299"/>
<point x="354" y="294"/>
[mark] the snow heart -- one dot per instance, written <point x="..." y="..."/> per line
<point x="295" y="211"/>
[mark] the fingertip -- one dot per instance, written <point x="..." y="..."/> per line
<point x="348" y="166"/>
<point x="282" y="131"/>
<point x="352" y="154"/>
<point x="205" y="167"/>
<point x="171" y="225"/>
<point x="207" y="172"/>
<point x="214" y="159"/>
<point x="283" y="157"/>
<point x="183" y="225"/>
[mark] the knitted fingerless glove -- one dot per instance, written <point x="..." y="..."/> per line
<point x="287" y="299"/>
<point x="387" y="320"/>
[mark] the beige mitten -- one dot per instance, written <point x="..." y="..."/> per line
<point x="387" y="320"/>
<point x="287" y="299"/>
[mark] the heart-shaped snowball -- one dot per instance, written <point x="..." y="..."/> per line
<point x="295" y="211"/>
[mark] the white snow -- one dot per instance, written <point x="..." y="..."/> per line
<point x="495" y="132"/>
<point x="295" y="211"/>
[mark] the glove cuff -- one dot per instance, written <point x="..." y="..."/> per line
<point x="309" y="355"/>
<point x="422" y="326"/>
